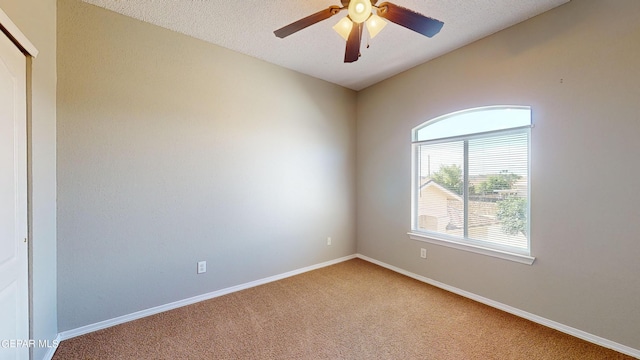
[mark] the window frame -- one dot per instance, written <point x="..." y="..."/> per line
<point x="464" y="243"/>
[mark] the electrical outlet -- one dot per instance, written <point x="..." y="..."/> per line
<point x="328" y="241"/>
<point x="202" y="267"/>
<point x="423" y="253"/>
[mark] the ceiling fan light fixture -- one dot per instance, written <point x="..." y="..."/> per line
<point x="359" y="10"/>
<point x="343" y="27"/>
<point x="374" y="25"/>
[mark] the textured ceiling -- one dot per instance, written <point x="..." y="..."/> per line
<point x="247" y="26"/>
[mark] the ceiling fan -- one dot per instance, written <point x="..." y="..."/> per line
<point x="359" y="15"/>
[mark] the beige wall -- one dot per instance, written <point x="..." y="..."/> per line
<point x="37" y="20"/>
<point x="172" y="150"/>
<point x="577" y="66"/>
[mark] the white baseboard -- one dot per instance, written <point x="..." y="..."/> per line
<point x="523" y="314"/>
<point x="65" y="335"/>
<point x="52" y="350"/>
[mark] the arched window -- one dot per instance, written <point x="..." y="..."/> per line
<point x="471" y="181"/>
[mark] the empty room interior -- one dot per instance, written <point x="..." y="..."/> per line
<point x="151" y="151"/>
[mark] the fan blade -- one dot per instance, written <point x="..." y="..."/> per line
<point x="410" y="19"/>
<point x="308" y="21"/>
<point x="352" y="52"/>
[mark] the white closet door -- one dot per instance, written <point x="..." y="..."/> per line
<point x="14" y="301"/>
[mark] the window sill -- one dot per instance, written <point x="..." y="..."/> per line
<point x="523" y="259"/>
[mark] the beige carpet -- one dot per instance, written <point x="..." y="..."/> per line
<point x="352" y="310"/>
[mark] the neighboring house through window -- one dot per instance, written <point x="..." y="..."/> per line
<point x="471" y="181"/>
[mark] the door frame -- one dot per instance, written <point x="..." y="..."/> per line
<point x="19" y="39"/>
